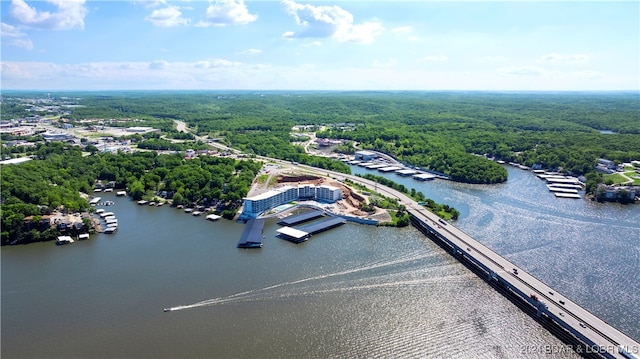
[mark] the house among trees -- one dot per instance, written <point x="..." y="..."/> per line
<point x="606" y="166"/>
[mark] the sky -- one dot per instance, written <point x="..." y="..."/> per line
<point x="320" y="45"/>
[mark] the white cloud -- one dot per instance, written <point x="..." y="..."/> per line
<point x="16" y="37"/>
<point x="564" y="58"/>
<point x="216" y="63"/>
<point x="436" y="58"/>
<point x="329" y="22"/>
<point x="150" y="3"/>
<point x="313" y="43"/>
<point x="158" y="65"/>
<point x="70" y="15"/>
<point x="23" y="43"/>
<point x="167" y="17"/>
<point x="11" y="31"/>
<point x="227" y="12"/>
<point x="252" y="52"/>
<point x="228" y="75"/>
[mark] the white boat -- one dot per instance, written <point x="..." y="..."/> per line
<point x="83" y="236"/>
<point x="142" y="202"/>
<point x="99" y="211"/>
<point x="108" y="189"/>
<point x="106" y="214"/>
<point x="196" y="213"/>
<point x="213" y="217"/>
<point x="121" y="193"/>
<point x="109" y="230"/>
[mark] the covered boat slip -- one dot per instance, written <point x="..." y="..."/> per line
<point x="301" y="218"/>
<point x="252" y="234"/>
<point x="301" y="234"/>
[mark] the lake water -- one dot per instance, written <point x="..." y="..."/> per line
<point x="354" y="291"/>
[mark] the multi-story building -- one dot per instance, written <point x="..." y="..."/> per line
<point x="254" y="206"/>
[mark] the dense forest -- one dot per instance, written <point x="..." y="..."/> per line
<point x="61" y="173"/>
<point x="442" y="131"/>
<point x="450" y="132"/>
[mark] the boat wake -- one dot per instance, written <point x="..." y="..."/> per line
<point x="273" y="290"/>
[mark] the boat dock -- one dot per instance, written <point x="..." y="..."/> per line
<point x="301" y="218"/>
<point x="389" y="169"/>
<point x="562" y="189"/>
<point x="566" y="195"/>
<point x="406" y="172"/>
<point x="301" y="234"/>
<point x="252" y="234"/>
<point x="424" y="177"/>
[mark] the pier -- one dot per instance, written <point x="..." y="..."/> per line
<point x="301" y="218"/>
<point x="252" y="234"/>
<point x="301" y="234"/>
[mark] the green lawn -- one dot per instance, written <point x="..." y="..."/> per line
<point x="617" y="178"/>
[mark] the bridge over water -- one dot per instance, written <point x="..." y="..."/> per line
<point x="584" y="332"/>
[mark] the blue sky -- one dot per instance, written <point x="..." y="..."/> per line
<point x="321" y="45"/>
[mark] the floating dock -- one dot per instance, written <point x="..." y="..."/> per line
<point x="562" y="189"/>
<point x="301" y="234"/>
<point x="252" y="234"/>
<point x="301" y="218"/>
<point x="553" y="180"/>
<point x="406" y="172"/>
<point x="375" y="166"/>
<point x="389" y="169"/>
<point x="424" y="177"/>
<point x="566" y="195"/>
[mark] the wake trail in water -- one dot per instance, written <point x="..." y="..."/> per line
<point x="246" y="295"/>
